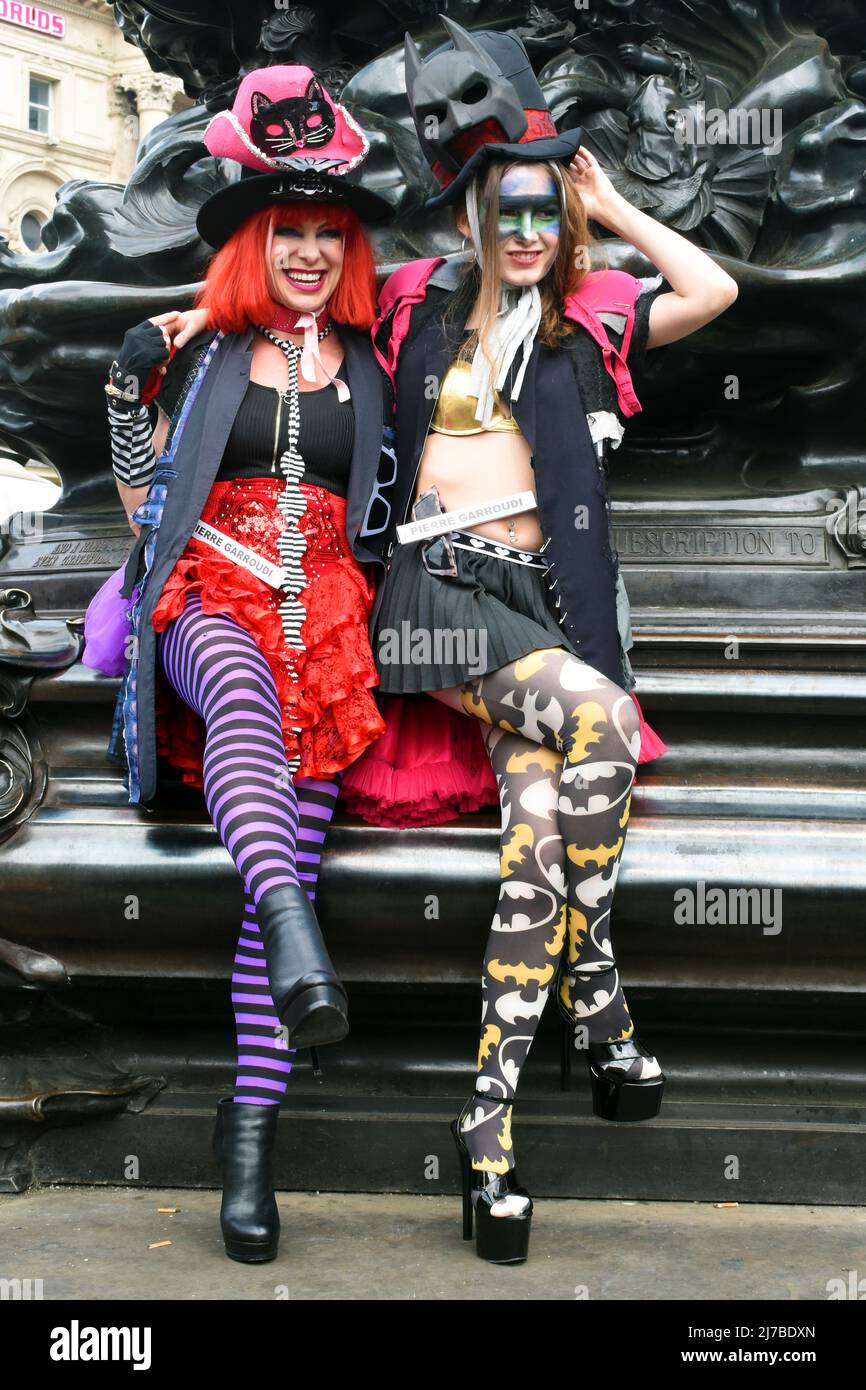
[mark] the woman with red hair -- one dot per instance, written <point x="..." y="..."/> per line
<point x="249" y="591"/>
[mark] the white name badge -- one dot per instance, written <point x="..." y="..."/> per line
<point x="250" y="560"/>
<point x="466" y="517"/>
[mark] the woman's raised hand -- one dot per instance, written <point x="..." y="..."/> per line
<point x="595" y="188"/>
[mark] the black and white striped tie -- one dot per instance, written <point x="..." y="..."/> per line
<point x="292" y="542"/>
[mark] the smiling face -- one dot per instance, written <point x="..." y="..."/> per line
<point x="306" y="260"/>
<point x="529" y="223"/>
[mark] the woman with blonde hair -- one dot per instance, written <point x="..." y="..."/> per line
<point x="502" y="465"/>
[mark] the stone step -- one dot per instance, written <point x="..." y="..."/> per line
<point x="780" y="1130"/>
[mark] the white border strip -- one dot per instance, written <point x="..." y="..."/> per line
<point x="241" y="554"/>
<point x="467" y="516"/>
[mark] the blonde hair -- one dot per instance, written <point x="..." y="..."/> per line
<point x="564" y="276"/>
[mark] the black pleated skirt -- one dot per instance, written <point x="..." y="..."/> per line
<point x="436" y="631"/>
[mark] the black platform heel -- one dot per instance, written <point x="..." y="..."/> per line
<point x="501" y="1240"/>
<point x="309" y="999"/>
<point x="242" y="1143"/>
<point x="613" y="1097"/>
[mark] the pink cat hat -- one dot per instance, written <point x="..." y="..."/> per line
<point x="293" y="143"/>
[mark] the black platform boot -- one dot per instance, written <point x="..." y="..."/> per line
<point x="242" y="1143"/>
<point x="309" y="999"/>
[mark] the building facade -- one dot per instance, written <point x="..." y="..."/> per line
<point x="75" y="100"/>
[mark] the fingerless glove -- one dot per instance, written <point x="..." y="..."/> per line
<point x="143" y="348"/>
<point x="132" y="458"/>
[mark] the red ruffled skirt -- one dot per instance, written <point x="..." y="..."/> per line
<point x="329" y="695"/>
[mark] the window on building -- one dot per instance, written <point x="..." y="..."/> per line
<point x="40" y="105"/>
<point x="31" y="230"/>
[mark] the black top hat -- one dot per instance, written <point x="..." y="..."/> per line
<point x="226" y="209"/>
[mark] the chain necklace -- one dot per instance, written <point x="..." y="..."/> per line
<point x="282" y="342"/>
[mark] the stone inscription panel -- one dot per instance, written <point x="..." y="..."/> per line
<point x="723" y="545"/>
<point x="83" y="554"/>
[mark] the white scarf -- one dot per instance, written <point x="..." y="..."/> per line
<point x="514" y="328"/>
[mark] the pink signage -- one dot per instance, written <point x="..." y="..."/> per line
<point x="32" y="17"/>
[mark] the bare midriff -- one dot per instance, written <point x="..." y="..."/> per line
<point x="471" y="468"/>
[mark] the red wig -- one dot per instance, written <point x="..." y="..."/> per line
<point x="237" y="291"/>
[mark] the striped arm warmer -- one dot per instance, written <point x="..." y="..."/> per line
<point x="132" y="456"/>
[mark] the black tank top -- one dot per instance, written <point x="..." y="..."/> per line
<point x="325" y="440"/>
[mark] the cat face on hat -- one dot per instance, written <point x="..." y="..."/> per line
<point x="291" y="123"/>
<point x="283" y="119"/>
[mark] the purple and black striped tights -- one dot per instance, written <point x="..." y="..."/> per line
<point x="274" y="829"/>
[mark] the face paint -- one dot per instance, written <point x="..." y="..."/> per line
<point x="527" y="217"/>
<point x="528" y="205"/>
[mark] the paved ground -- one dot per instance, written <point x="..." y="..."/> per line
<point x="95" y="1243"/>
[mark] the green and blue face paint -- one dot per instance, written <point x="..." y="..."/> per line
<point x="527" y="206"/>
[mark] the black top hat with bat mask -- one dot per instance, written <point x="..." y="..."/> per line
<point x="477" y="98"/>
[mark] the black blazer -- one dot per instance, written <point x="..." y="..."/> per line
<point x="193" y="470"/>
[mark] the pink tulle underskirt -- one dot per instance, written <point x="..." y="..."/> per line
<point x="430" y="765"/>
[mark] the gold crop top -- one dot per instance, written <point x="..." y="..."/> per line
<point x="455" y="408"/>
